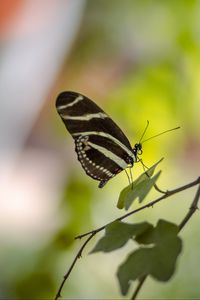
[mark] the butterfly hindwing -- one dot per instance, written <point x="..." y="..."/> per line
<point x="102" y="148"/>
<point x="96" y="164"/>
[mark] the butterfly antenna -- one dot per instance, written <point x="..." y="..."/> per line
<point x="152" y="137"/>
<point x="144" y="132"/>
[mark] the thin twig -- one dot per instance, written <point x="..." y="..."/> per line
<point x="58" y="295"/>
<point x="94" y="232"/>
<point x="150" y="204"/>
<point x="139" y="286"/>
<point x="158" y="189"/>
<point x="192" y="210"/>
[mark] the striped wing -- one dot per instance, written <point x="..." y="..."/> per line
<point x="102" y="148"/>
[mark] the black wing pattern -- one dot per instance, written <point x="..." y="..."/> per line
<point x="102" y="148"/>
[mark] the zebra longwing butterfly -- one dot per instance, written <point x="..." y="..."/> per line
<point x="102" y="148"/>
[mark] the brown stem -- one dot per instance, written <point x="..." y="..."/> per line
<point x="150" y="204"/>
<point x="58" y="295"/>
<point x="192" y="210"/>
<point x="139" y="286"/>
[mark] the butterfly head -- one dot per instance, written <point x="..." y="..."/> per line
<point x="137" y="150"/>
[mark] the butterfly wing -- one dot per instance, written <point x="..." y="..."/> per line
<point x="102" y="148"/>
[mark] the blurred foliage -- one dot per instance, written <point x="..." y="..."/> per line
<point x="154" y="49"/>
<point x="75" y="208"/>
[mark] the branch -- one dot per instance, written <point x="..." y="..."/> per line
<point x="150" y="204"/>
<point x="192" y="209"/>
<point x="139" y="286"/>
<point x="79" y="254"/>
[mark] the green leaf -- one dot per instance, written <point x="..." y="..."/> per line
<point x="139" y="191"/>
<point x="159" y="234"/>
<point x="139" y="188"/>
<point x="118" y="233"/>
<point x="159" y="260"/>
<point x="149" y="172"/>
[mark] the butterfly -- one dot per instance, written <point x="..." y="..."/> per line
<point x="101" y="146"/>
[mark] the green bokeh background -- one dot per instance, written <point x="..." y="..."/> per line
<point x="139" y="60"/>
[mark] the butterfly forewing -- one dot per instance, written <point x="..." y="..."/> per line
<point x="101" y="146"/>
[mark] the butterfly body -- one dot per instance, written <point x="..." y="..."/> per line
<point x="102" y="148"/>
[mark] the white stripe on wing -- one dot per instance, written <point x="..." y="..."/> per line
<point x="79" y="98"/>
<point x="120" y="162"/>
<point x="112" y="138"/>
<point x="86" y="117"/>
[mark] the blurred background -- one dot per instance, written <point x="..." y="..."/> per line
<point x="139" y="60"/>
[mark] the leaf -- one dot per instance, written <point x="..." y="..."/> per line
<point x="149" y="172"/>
<point x="139" y="191"/>
<point x="139" y="188"/>
<point x="136" y="265"/>
<point x="159" y="260"/>
<point x="118" y="233"/>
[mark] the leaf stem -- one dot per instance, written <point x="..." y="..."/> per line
<point x="158" y="189"/>
<point x="139" y="286"/>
